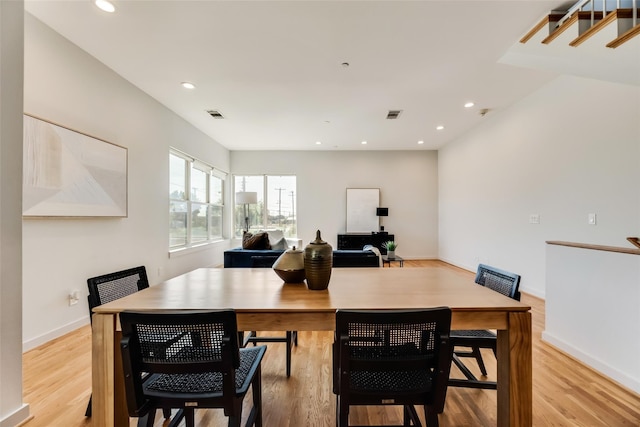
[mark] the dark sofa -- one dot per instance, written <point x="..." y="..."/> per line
<point x="247" y="258"/>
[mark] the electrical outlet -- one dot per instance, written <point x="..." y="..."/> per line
<point x="74" y="297"/>
<point x="591" y="219"/>
<point x="534" y="219"/>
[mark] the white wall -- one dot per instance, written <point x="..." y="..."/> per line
<point x="65" y="85"/>
<point x="593" y="309"/>
<point x="12" y="409"/>
<point x="569" y="149"/>
<point x="408" y="183"/>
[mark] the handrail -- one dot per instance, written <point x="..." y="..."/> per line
<point x="579" y="6"/>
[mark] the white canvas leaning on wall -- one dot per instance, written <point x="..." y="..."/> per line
<point x="361" y="209"/>
<point x="70" y="174"/>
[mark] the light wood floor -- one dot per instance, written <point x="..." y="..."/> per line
<point x="57" y="385"/>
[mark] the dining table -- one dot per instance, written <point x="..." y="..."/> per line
<point x="263" y="302"/>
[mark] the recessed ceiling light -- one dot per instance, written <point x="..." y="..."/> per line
<point x="439" y="127"/>
<point x="420" y="142"/>
<point x="469" y="105"/>
<point x="105" y="5"/>
<point x="318" y="143"/>
<point x="364" y="143"/>
<point x="188" y="85"/>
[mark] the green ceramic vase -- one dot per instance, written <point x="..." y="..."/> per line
<point x="318" y="261"/>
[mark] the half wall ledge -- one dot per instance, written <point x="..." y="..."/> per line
<point x="595" y="247"/>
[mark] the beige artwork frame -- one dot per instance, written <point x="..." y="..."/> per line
<point x="67" y="173"/>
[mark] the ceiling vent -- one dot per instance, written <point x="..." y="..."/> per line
<point x="215" y="114"/>
<point x="393" y="114"/>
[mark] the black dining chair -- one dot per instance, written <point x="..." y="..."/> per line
<point x="112" y="286"/>
<point x="500" y="281"/>
<point x="291" y="337"/>
<point x="392" y="357"/>
<point x="205" y="368"/>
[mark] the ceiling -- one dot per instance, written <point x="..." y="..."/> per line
<point x="274" y="69"/>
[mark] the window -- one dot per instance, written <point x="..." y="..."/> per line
<point x="276" y="206"/>
<point x="196" y="202"/>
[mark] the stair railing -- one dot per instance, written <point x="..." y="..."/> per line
<point x="592" y="6"/>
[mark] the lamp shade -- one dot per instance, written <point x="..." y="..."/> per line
<point x="382" y="211"/>
<point x="246" y="198"/>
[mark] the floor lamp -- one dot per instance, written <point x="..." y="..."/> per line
<point x="246" y="198"/>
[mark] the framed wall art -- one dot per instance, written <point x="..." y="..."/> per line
<point x="71" y="174"/>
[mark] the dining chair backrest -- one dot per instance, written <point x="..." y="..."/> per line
<point x="113" y="286"/>
<point x="498" y="280"/>
<point x="204" y="342"/>
<point x="392" y="353"/>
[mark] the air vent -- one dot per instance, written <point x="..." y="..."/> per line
<point x="215" y="114"/>
<point x="393" y="114"/>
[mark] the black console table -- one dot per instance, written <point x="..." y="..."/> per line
<point x="357" y="241"/>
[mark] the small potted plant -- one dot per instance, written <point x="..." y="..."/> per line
<point x="390" y="246"/>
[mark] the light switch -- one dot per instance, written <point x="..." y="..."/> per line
<point x="592" y="219"/>
<point x="534" y="219"/>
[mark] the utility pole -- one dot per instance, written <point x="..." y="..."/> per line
<point x="293" y="211"/>
<point x="280" y="190"/>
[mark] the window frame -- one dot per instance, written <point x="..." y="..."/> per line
<point x="238" y="226"/>
<point x="191" y="202"/>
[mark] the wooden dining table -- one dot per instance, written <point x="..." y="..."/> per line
<point x="263" y="302"/>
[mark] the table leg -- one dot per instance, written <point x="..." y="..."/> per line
<point x="103" y="327"/>
<point x="108" y="400"/>
<point x="515" y="382"/>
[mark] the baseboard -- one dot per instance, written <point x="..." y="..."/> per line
<point x="597" y="365"/>
<point x="532" y="292"/>
<point x="42" y="339"/>
<point x="17" y="417"/>
<point x="472" y="269"/>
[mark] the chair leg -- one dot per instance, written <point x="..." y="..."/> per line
<point x="235" y="420"/>
<point x="189" y="417"/>
<point x="288" y="343"/>
<point x="467" y="373"/>
<point x="175" y="421"/>
<point x="148" y="419"/>
<point x="478" y="357"/>
<point x="295" y="338"/>
<point x="256" y="390"/>
<point x="87" y="413"/>
<point x="411" y="416"/>
<point x="342" y="413"/>
<point x="431" y="416"/>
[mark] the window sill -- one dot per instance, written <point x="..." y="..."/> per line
<point x="178" y="252"/>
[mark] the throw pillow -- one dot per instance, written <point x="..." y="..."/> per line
<point x="274" y="236"/>
<point x="280" y="244"/>
<point x="255" y="241"/>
